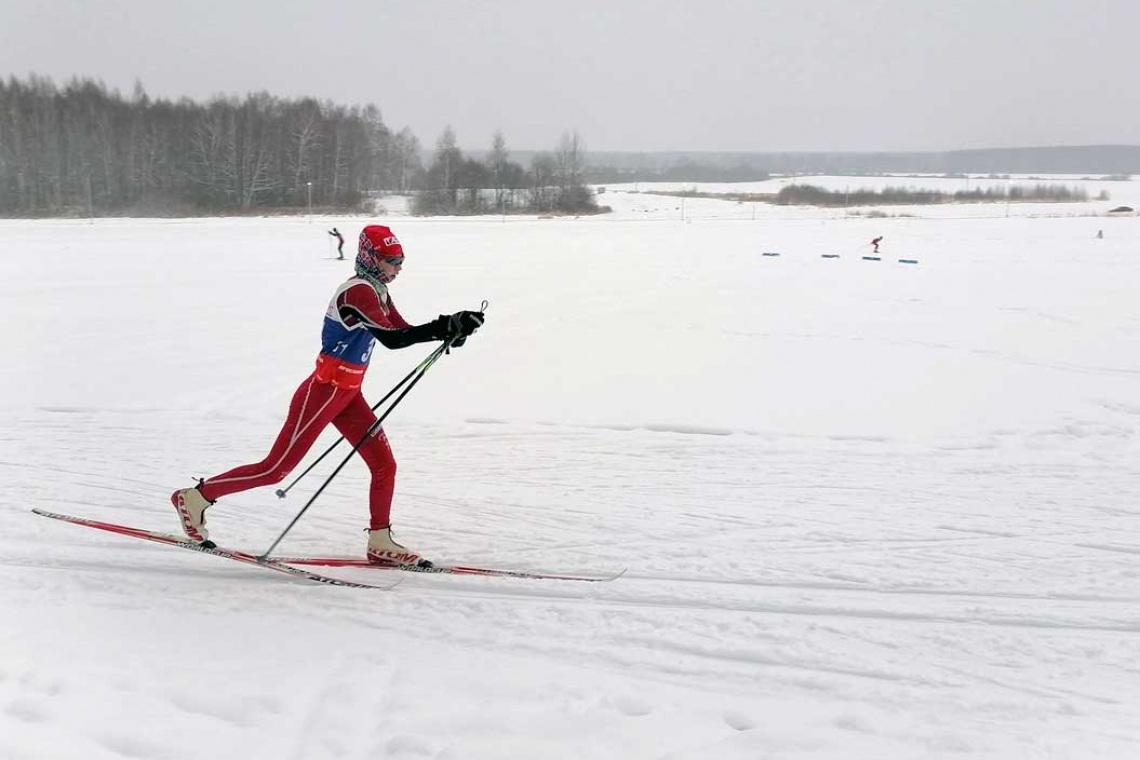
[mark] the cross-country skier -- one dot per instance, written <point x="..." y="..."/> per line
<point x="876" y="242"/>
<point x="339" y="242"/>
<point x="359" y="314"/>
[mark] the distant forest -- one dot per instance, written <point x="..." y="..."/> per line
<point x="82" y="150"/>
<point x="685" y="170"/>
<point x="1114" y="161"/>
<point x="555" y="183"/>
<point x="811" y="195"/>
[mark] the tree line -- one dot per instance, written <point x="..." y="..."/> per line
<point x="684" y="171"/>
<point x="554" y="183"/>
<point x="813" y="195"/>
<point x="82" y="150"/>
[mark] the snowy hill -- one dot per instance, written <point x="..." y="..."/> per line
<point x="869" y="509"/>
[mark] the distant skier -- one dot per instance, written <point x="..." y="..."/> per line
<point x="339" y="242"/>
<point x="876" y="242"/>
<point x="1100" y="234"/>
<point x="359" y="314"/>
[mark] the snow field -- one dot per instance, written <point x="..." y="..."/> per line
<point x="868" y="509"/>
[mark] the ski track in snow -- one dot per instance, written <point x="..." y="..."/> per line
<point x="876" y="525"/>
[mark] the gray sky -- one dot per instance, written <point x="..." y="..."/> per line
<point x="646" y="75"/>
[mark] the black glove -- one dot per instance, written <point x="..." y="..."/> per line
<point x="462" y="324"/>
<point x="438" y="327"/>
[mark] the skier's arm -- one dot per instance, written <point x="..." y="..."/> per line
<point x="362" y="305"/>
<point x="402" y="337"/>
<point x="456" y="328"/>
<point x="394" y="315"/>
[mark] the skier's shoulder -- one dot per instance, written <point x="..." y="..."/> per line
<point x="356" y="286"/>
<point x="360" y="291"/>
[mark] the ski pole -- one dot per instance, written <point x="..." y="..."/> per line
<point x="283" y="492"/>
<point x="371" y="429"/>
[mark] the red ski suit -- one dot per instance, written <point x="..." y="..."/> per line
<point x="332" y="394"/>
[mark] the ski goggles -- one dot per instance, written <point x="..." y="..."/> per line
<point x="395" y="260"/>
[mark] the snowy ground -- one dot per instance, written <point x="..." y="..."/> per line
<point x="869" y="509"/>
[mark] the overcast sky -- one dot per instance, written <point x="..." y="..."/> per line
<point x="759" y="75"/>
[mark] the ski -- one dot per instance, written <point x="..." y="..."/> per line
<point x="240" y="556"/>
<point x="448" y="569"/>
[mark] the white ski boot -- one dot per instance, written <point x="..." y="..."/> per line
<point x="191" y="506"/>
<point x="384" y="551"/>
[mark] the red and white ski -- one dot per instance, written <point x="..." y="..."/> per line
<point x="275" y="564"/>
<point x="447" y="569"/>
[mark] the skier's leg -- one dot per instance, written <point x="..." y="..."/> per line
<point x="313" y="406"/>
<point x="353" y="423"/>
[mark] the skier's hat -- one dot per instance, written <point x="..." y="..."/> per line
<point x="378" y="242"/>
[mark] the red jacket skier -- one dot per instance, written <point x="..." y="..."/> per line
<point x="359" y="314"/>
